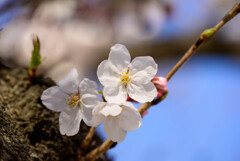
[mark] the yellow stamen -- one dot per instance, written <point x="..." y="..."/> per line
<point x="126" y="77"/>
<point x="73" y="101"/>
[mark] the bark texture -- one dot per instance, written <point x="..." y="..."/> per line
<point x="28" y="130"/>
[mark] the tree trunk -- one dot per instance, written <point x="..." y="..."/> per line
<point x="28" y="130"/>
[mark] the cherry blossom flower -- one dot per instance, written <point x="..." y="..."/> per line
<point x="121" y="78"/>
<point x="75" y="100"/>
<point x="117" y="118"/>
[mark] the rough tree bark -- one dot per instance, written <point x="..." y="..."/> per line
<point x="28" y="130"/>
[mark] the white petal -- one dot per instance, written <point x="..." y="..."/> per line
<point x="88" y="93"/>
<point x="117" y="94"/>
<point x="113" y="131"/>
<point x="129" y="119"/>
<point x="106" y="75"/>
<point x="119" y="57"/>
<point x="142" y="93"/>
<point x="89" y="100"/>
<point x="69" y="121"/>
<point x="70" y="83"/>
<point x="98" y="117"/>
<point x="111" y="110"/>
<point x="87" y="115"/>
<point x="54" y="99"/>
<point x="87" y="85"/>
<point x="143" y="69"/>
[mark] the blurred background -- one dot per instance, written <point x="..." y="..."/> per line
<point x="200" y="118"/>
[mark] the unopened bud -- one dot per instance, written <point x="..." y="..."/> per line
<point x="161" y="85"/>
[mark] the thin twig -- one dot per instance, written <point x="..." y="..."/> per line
<point x="88" y="139"/>
<point x="203" y="38"/>
<point x="144" y="107"/>
<point x="206" y="35"/>
<point x="97" y="152"/>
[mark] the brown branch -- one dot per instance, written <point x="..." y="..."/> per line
<point x="88" y="138"/>
<point x="144" y="107"/>
<point x="206" y="35"/>
<point x="96" y="153"/>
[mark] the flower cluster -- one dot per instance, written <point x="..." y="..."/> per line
<point x="77" y="99"/>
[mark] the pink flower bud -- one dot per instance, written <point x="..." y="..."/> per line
<point x="159" y="94"/>
<point x="161" y="85"/>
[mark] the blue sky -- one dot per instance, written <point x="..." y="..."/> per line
<point x="198" y="121"/>
<point x="8" y="15"/>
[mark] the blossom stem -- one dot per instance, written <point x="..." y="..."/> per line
<point x="144" y="107"/>
<point x="88" y="138"/>
<point x="97" y="152"/>
<point x="206" y="35"/>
